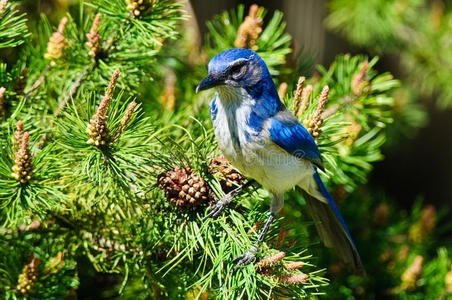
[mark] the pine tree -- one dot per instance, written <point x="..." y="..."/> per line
<point x="103" y="169"/>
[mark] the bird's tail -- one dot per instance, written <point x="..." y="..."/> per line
<point x="332" y="228"/>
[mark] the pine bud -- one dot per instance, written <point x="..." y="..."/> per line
<point x="125" y="120"/>
<point x="387" y="255"/>
<point x="298" y="94"/>
<point x="293" y="265"/>
<point x="315" y="121"/>
<point x="2" y="104"/>
<point x="412" y="274"/>
<point x="380" y="215"/>
<point x="2" y="6"/>
<point x="272" y="259"/>
<point x="17" y="140"/>
<point x="359" y="80"/>
<point x="23" y="165"/>
<point x="249" y="30"/>
<point x="353" y="131"/>
<point x="301" y="97"/>
<point x="281" y="237"/>
<point x="422" y="229"/>
<point x="437" y="13"/>
<point x="93" y="36"/>
<point x="256" y="227"/>
<point x="55" y="264"/>
<point x="448" y="282"/>
<point x="113" y="82"/>
<point x="403" y="253"/>
<point x="305" y="97"/>
<point x="282" y="90"/>
<point x="428" y="218"/>
<point x="291" y="244"/>
<point x="97" y="129"/>
<point x="293" y="278"/>
<point x="266" y="272"/>
<point x="57" y="43"/>
<point x="28" y="278"/>
<point x="137" y="7"/>
<point x="168" y="96"/>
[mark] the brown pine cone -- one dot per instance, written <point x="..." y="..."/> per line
<point x="229" y="177"/>
<point x="183" y="187"/>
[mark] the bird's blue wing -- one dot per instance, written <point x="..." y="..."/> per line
<point x="290" y="135"/>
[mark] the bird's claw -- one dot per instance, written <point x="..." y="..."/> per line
<point x="216" y="210"/>
<point x="245" y="259"/>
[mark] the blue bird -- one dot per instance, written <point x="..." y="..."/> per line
<point x="264" y="141"/>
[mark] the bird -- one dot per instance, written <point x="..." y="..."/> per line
<point x="262" y="139"/>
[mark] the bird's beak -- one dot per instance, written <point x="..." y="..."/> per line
<point x="207" y="83"/>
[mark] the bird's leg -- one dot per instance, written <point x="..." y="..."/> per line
<point x="221" y="204"/>
<point x="250" y="255"/>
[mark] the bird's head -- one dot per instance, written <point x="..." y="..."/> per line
<point x="235" y="68"/>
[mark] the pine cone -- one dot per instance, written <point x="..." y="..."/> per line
<point x="183" y="187"/>
<point x="229" y="177"/>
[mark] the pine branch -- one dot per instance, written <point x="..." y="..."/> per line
<point x="13" y="29"/>
<point x="38" y="82"/>
<point x="75" y="86"/>
<point x="231" y="29"/>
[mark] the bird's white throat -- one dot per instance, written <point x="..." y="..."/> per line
<point x="232" y="94"/>
<point x="233" y="105"/>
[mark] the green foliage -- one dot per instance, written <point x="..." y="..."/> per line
<point x="273" y="43"/>
<point x="357" y="18"/>
<point x="92" y="205"/>
<point x="22" y="202"/>
<point x="392" y="240"/>
<point x="418" y="32"/>
<point x="55" y="273"/>
<point x="158" y="22"/>
<point x="13" y="28"/>
<point x="122" y="160"/>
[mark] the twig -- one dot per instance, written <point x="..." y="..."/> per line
<point x="73" y="91"/>
<point x="113" y="39"/>
<point x="37" y="83"/>
<point x="346" y="100"/>
<point x="108" y="45"/>
<point x="64" y="101"/>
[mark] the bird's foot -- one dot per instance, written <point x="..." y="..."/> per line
<point x="218" y="207"/>
<point x="245" y="259"/>
<point x="221" y="204"/>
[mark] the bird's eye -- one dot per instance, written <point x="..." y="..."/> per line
<point x="237" y="72"/>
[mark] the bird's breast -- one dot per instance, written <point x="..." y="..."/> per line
<point x="231" y="130"/>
